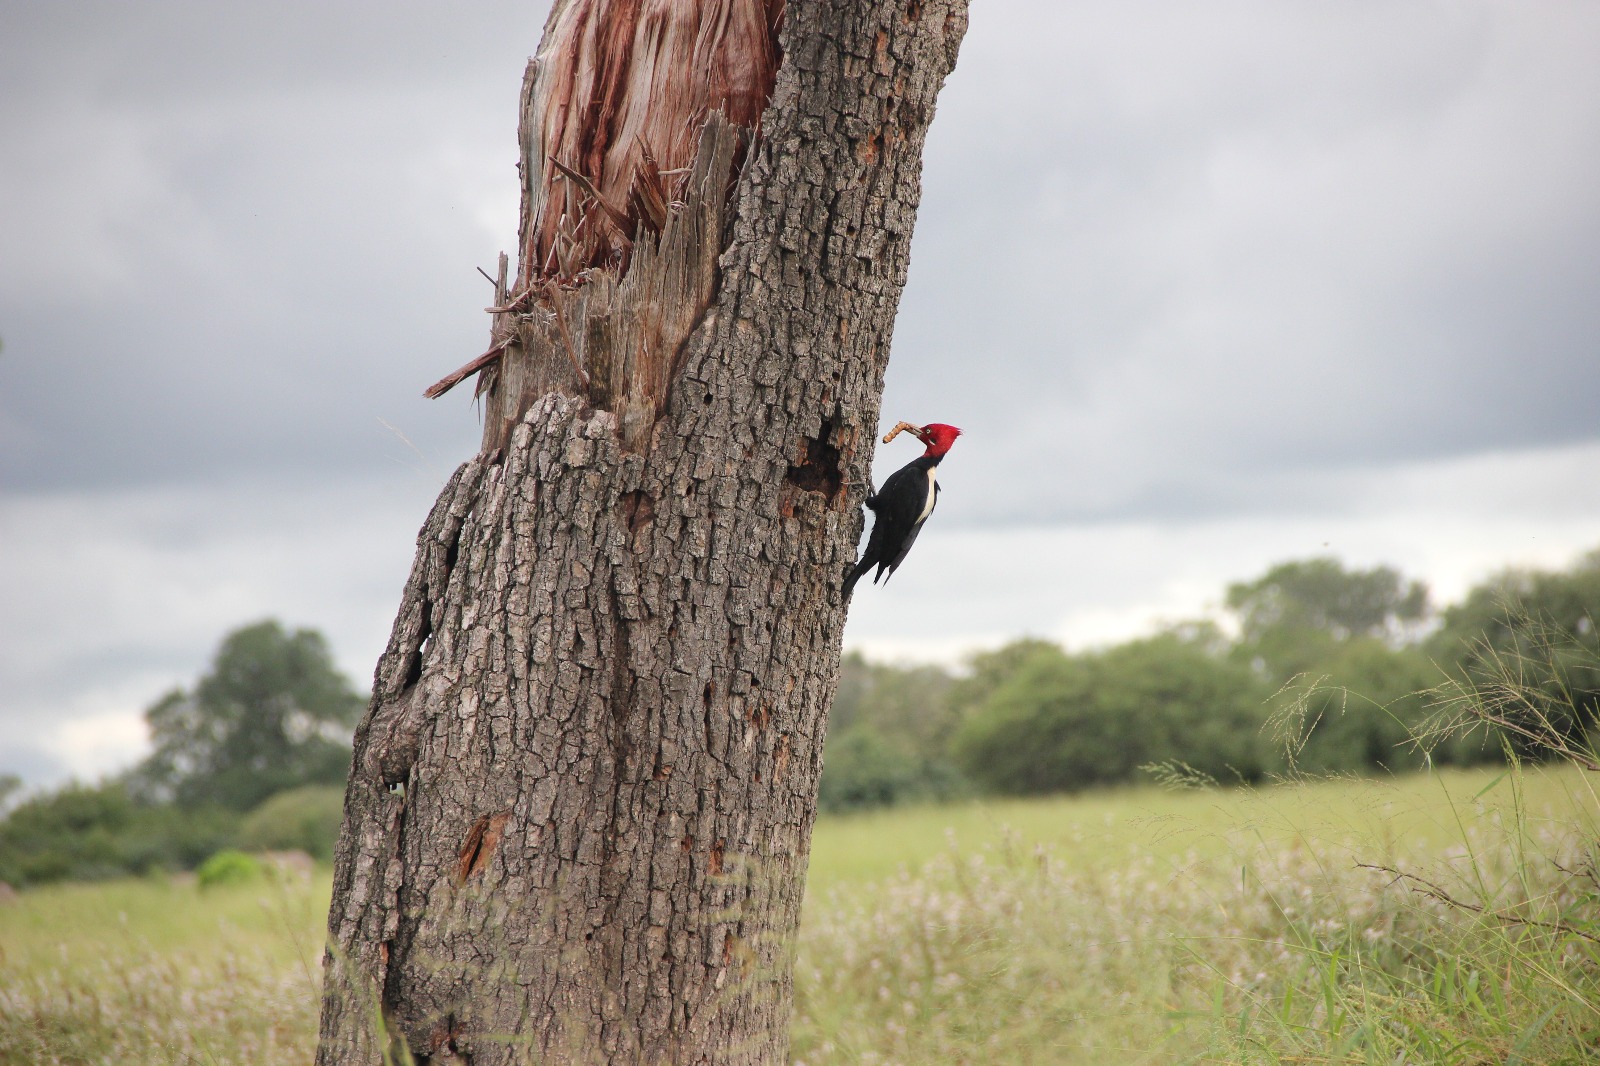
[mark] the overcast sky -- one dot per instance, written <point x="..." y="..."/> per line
<point x="1209" y="285"/>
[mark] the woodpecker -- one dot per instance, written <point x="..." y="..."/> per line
<point x="903" y="504"/>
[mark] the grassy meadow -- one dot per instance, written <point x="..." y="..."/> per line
<point x="1145" y="925"/>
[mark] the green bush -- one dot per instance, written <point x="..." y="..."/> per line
<point x="228" y="868"/>
<point x="888" y="732"/>
<point x="301" y="819"/>
<point x="84" y="832"/>
<point x="1361" y="710"/>
<point x="862" y="769"/>
<point x="1538" y="627"/>
<point x="1063" y="722"/>
<point x="910" y="704"/>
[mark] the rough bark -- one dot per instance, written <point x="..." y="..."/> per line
<point x="580" y="805"/>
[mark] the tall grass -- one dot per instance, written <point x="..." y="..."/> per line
<point x="1264" y="944"/>
<point x="1448" y="918"/>
<point x="1443" y="919"/>
<point x="159" y="972"/>
<point x="1145" y="926"/>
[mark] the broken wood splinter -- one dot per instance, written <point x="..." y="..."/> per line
<point x="450" y="381"/>
<point x="619" y="217"/>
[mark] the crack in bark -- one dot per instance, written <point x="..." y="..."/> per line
<point x="638" y="509"/>
<point x="395" y="949"/>
<point x="619" y="709"/>
<point x="424" y="631"/>
<point x="478" y="847"/>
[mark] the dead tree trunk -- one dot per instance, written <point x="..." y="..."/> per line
<point x="580" y="806"/>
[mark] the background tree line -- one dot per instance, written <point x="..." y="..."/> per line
<point x="1328" y="670"/>
<point x="254" y="755"/>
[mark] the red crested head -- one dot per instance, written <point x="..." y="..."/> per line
<point x="938" y="437"/>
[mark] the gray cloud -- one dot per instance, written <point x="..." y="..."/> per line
<point x="231" y="248"/>
<point x="1169" y="247"/>
<point x="1164" y="253"/>
<point x="1183" y="272"/>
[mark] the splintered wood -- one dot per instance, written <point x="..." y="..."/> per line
<point x="635" y="117"/>
<point x="612" y="113"/>
<point x="615" y="338"/>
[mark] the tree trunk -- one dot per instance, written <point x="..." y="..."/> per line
<point x="580" y="805"/>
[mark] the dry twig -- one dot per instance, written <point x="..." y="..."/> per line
<point x="1427" y="888"/>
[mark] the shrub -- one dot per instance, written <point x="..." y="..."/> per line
<point x="84" y="832"/>
<point x="863" y="769"/>
<point x="1360" y="710"/>
<point x="228" y="868"/>
<point x="301" y="819"/>
<point x="1065" y="722"/>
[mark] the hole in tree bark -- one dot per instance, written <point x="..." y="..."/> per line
<point x="638" y="509"/>
<point x="444" y="1036"/>
<point x="817" y="467"/>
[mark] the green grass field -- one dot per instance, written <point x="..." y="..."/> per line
<point x="1138" y="926"/>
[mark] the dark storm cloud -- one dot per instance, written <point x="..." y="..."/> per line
<point x="1186" y="252"/>
<point x="1207" y="284"/>
<point x="1178" y="263"/>
<point x="239" y="238"/>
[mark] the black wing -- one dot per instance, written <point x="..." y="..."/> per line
<point x="896" y="508"/>
<point x="911" y="538"/>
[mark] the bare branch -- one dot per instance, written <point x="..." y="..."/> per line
<point x="1422" y="886"/>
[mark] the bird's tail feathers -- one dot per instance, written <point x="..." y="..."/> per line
<point x="851" y="578"/>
